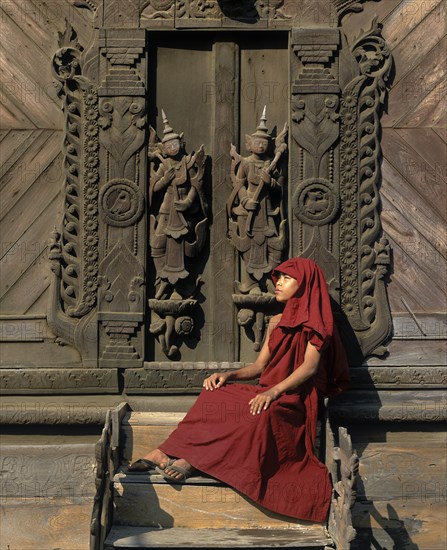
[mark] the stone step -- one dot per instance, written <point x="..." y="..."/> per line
<point x="147" y="500"/>
<point x="125" y="537"/>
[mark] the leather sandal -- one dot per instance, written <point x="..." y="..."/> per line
<point x="186" y="472"/>
<point x="146" y="464"/>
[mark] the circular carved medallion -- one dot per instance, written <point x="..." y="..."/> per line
<point x="122" y="202"/>
<point x="314" y="202"/>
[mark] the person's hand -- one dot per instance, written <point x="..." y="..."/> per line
<point x="181" y="205"/>
<point x="265" y="176"/>
<point x="169" y="174"/>
<point x="251" y="205"/>
<point x="215" y="381"/>
<point x="262" y="401"/>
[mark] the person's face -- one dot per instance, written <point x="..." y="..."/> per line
<point x="259" y="146"/>
<point x="286" y="287"/>
<point x="172" y="147"/>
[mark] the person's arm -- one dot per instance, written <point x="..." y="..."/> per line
<point x="306" y="370"/>
<point x="249" y="372"/>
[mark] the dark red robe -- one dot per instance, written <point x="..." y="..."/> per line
<point x="269" y="456"/>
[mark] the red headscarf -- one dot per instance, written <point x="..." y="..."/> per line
<point x="311" y="305"/>
<point x="310" y="308"/>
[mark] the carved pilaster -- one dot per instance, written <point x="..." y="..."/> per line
<point x="315" y="129"/>
<point x="122" y="197"/>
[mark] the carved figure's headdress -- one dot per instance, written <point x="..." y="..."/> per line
<point x="262" y="130"/>
<point x="168" y="132"/>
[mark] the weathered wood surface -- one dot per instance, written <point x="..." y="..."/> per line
<point x="404" y="525"/>
<point x="414" y="149"/>
<point x="137" y="537"/>
<point x="401" y="487"/>
<point x="142" y="432"/>
<point x="414" y="143"/>
<point x="46" y="523"/>
<point x="46" y="495"/>
<point x="404" y="406"/>
<point x="195" y="504"/>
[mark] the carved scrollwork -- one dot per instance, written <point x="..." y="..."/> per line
<point x="365" y="257"/>
<point x="343" y="465"/>
<point x="74" y="250"/>
<point x="121" y="121"/>
<point x="157" y="9"/>
<point x="343" y="7"/>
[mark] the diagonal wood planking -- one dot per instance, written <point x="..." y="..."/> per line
<point x="414" y="149"/>
<point x="414" y="146"/>
<point x="31" y="134"/>
<point x="415" y="156"/>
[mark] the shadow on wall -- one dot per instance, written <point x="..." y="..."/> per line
<point x="244" y="10"/>
<point x="375" y="529"/>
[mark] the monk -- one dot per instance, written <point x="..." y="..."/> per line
<point x="259" y="439"/>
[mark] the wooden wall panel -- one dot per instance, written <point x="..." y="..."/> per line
<point x="31" y="134"/>
<point x="414" y="145"/>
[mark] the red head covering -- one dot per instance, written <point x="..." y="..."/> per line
<point x="311" y="305"/>
<point x="309" y="311"/>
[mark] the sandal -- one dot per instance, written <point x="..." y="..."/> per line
<point x="186" y="472"/>
<point x="147" y="465"/>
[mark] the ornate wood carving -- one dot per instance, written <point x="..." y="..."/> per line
<point x="256" y="224"/>
<point x="177" y="376"/>
<point x="335" y="196"/>
<point x="97" y="306"/>
<point x="343" y="465"/>
<point x="103" y="222"/>
<point x="74" y="250"/>
<point x="178" y="232"/>
<point x="364" y="253"/>
<point x="41" y="380"/>
<point x="107" y="463"/>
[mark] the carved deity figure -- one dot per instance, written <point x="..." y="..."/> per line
<point x="179" y="220"/>
<point x="255" y="218"/>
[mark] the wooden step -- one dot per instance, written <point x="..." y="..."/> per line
<point x="144" y="431"/>
<point x="147" y="500"/>
<point x="125" y="537"/>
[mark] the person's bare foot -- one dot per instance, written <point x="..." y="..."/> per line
<point x="155" y="457"/>
<point x="186" y="470"/>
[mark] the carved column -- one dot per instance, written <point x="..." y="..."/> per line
<point x="315" y="129"/>
<point x="122" y="201"/>
<point x="222" y="333"/>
